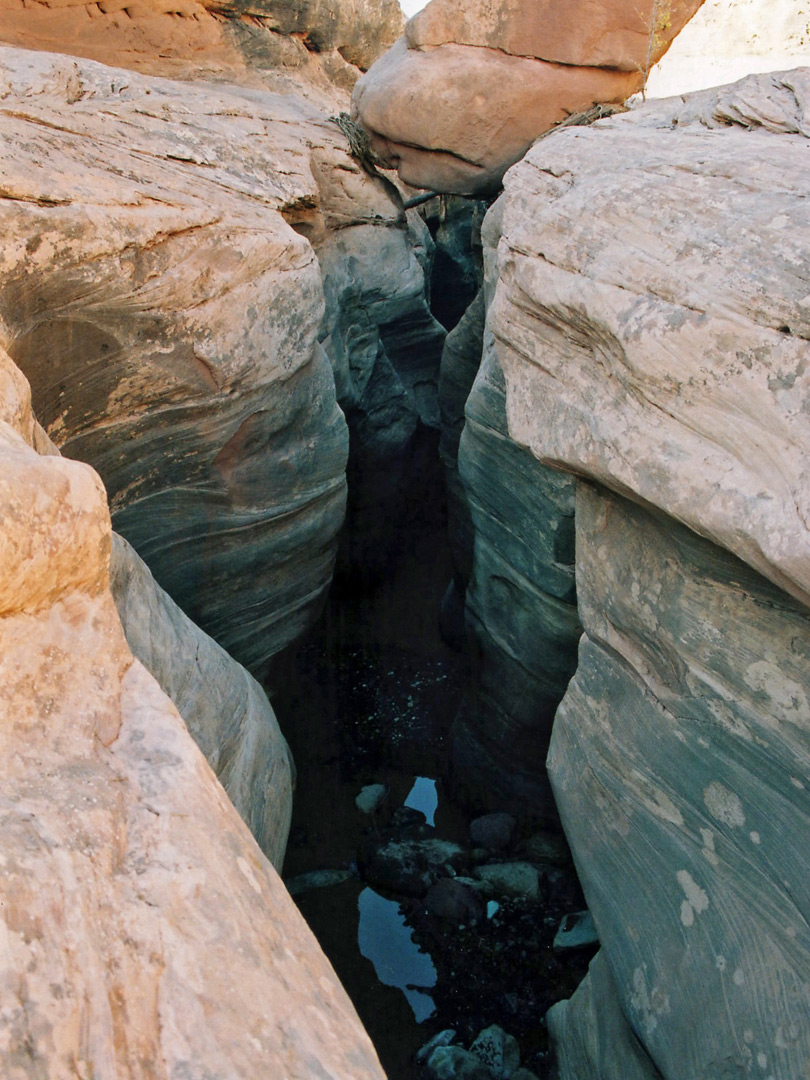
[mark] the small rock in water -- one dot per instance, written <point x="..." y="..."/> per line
<point x="548" y="847"/>
<point x="317" y="879"/>
<point x="576" y="931"/>
<point x="493" y="907"/>
<point x="370" y="798"/>
<point x="498" y="1051"/>
<point x="455" y="1063"/>
<point x="493" y="831"/>
<point x="409" y="867"/>
<point x="452" y="900"/>
<point x="511" y="879"/>
<point x="443" y="1038"/>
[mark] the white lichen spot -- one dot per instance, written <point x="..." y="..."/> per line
<point x="708" y="851"/>
<point x="797" y="783"/>
<point x="762" y="1060"/>
<point x="244" y="866"/>
<point x="696" y="901"/>
<point x="748" y="1036"/>
<point x="723" y="804"/>
<point x="739" y="977"/>
<point x="720" y="963"/>
<point x="648" y="1004"/>
<point x="766" y="677"/>
<point x="755" y="837"/>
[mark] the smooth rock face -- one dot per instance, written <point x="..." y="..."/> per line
<point x="226" y="711"/>
<point x="470" y="86"/>
<point x="145" y="933"/>
<point x="647" y="342"/>
<point x="679" y="760"/>
<point x="167" y="318"/>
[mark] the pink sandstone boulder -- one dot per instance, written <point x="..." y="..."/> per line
<point x="470" y="86"/>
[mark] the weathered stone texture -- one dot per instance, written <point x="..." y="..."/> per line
<point x="653" y="314"/>
<point x="145" y="935"/>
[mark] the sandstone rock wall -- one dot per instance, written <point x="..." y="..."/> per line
<point x="651" y="319"/>
<point x="145" y="935"/>
<point x="167" y="317"/>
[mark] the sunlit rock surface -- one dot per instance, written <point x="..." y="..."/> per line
<point x="728" y="39"/>
<point x="144" y="932"/>
<point x="285" y="44"/>
<point x="468" y="88"/>
<point x="652" y="321"/>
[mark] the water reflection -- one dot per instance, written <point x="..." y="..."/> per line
<point x="424" y="797"/>
<point x="386" y="941"/>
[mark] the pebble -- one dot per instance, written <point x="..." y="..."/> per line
<point x="498" y="1051"/>
<point x="576" y="931"/>
<point x="370" y="798"/>
<point x="493" y="831"/>
<point x="317" y="879"/>
<point x="442" y="1038"/>
<point x="511" y="879"/>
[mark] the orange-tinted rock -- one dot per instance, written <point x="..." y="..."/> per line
<point x="327" y="41"/>
<point x="470" y="86"/>
<point x="454" y="118"/>
<point x="590" y="33"/>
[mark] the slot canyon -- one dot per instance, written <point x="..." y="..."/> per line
<point x="405" y="540"/>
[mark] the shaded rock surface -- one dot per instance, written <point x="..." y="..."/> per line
<point x="464" y="93"/>
<point x="651" y="318"/>
<point x="144" y="930"/>
<point x="224" y="708"/>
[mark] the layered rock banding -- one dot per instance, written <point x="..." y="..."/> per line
<point x="301" y="44"/>
<point x="167" y="317"/>
<point x="144" y="933"/>
<point x="468" y="88"/>
<point x="652" y="321"/>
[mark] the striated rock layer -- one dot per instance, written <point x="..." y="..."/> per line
<point x="145" y="935"/>
<point x="167" y="317"/>
<point x="226" y="711"/>
<point x="653" y="325"/>
<point x="468" y="88"/>
<point x="307" y="44"/>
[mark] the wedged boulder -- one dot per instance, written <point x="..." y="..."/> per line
<point x="167" y="317"/>
<point x="144" y="931"/>
<point x="280" y="43"/>
<point x="652" y="321"/>
<point x="468" y="88"/>
<point x="225" y="710"/>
